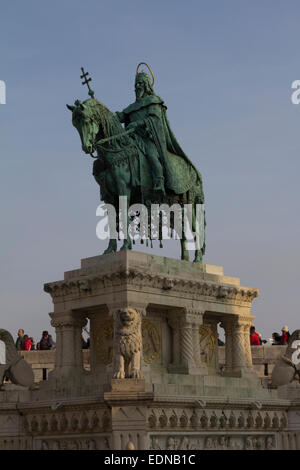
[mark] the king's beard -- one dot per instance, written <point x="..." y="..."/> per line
<point x="139" y="94"/>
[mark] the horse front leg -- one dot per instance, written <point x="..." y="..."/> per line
<point x="196" y="230"/>
<point x="112" y="223"/>
<point x="127" y="244"/>
<point x="199" y="234"/>
<point x="112" y="246"/>
<point x="183" y="242"/>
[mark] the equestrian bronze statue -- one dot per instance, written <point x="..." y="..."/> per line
<point x="141" y="160"/>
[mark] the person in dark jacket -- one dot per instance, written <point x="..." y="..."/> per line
<point x="20" y="340"/>
<point x="276" y="339"/>
<point x="46" y="342"/>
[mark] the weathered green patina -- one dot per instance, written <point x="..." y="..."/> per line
<point x="144" y="161"/>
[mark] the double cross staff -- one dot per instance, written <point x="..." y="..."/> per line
<point x="86" y="81"/>
<point x="107" y="139"/>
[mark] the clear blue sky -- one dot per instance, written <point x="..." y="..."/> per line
<point x="225" y="71"/>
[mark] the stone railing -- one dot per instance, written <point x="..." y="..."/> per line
<point x="42" y="362"/>
<point x="264" y="359"/>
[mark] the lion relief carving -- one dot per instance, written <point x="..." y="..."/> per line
<point x="127" y="344"/>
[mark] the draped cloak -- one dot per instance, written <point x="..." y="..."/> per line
<point x="150" y="115"/>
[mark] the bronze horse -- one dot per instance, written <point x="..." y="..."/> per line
<point x="117" y="170"/>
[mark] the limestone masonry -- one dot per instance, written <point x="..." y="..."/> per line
<point x="186" y="392"/>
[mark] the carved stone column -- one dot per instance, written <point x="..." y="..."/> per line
<point x="186" y="347"/>
<point x="248" y="353"/>
<point x="68" y="356"/>
<point x="241" y="351"/>
<point x="238" y="350"/>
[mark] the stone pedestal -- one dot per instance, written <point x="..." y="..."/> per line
<point x="154" y="380"/>
<point x="180" y="303"/>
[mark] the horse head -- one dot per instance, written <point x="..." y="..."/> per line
<point x="84" y="119"/>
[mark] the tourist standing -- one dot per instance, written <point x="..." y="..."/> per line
<point x="26" y="343"/>
<point x="284" y="339"/>
<point x="46" y="342"/>
<point x="20" y="340"/>
<point x="254" y="337"/>
<point x="276" y="338"/>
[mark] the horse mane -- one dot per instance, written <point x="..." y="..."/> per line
<point x="110" y="123"/>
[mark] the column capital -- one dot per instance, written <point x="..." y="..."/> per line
<point x="186" y="316"/>
<point x="68" y="319"/>
<point x="243" y="320"/>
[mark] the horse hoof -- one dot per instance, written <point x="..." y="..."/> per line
<point x="107" y="252"/>
<point x="126" y="247"/>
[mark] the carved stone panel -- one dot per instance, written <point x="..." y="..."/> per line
<point x="151" y="342"/>
<point x="212" y="442"/>
<point x="207" y="345"/>
<point x="103" y="342"/>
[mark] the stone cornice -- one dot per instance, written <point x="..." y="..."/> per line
<point x="87" y="285"/>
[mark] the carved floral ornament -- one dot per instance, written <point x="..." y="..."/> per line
<point x="138" y="278"/>
<point x="168" y="418"/>
<point x="68" y="422"/>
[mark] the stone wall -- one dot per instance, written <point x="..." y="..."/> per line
<point x="175" y="397"/>
<point x="264" y="358"/>
<point x="42" y="362"/>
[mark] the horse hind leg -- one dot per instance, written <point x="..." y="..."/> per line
<point x="183" y="242"/>
<point x="127" y="244"/>
<point x="113" y="229"/>
<point x="197" y="232"/>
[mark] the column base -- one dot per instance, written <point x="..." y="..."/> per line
<point x="187" y="369"/>
<point x="241" y="373"/>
